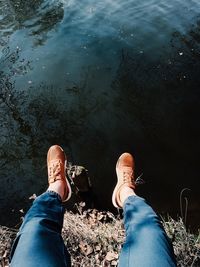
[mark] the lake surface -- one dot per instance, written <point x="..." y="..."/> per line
<point x="100" y="78"/>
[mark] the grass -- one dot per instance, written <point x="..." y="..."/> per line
<point x="7" y="236"/>
<point x="95" y="238"/>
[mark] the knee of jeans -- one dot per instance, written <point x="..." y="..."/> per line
<point x="37" y="225"/>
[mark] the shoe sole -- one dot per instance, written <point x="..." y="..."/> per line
<point x="68" y="184"/>
<point x="115" y="192"/>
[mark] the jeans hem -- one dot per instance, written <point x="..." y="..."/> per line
<point x="53" y="193"/>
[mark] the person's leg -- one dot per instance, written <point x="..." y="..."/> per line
<point x="146" y="244"/>
<point x="39" y="241"/>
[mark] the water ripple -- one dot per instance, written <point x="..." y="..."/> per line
<point x="99" y="18"/>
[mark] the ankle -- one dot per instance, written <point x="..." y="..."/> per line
<point x="59" y="187"/>
<point x="126" y="192"/>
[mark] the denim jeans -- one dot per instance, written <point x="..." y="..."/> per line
<point x="147" y="244"/>
<point x="39" y="242"/>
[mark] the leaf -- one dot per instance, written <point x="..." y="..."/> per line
<point x="111" y="255"/>
<point x="85" y="248"/>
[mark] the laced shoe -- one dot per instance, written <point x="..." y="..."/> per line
<point x="56" y="164"/>
<point x="125" y="177"/>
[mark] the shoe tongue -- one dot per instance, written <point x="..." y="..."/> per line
<point x="127" y="169"/>
<point x="55" y="161"/>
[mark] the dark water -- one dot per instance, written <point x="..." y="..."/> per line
<point x="100" y="79"/>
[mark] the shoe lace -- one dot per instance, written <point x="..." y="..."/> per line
<point x="128" y="177"/>
<point x="55" y="170"/>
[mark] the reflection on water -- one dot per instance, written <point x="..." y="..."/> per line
<point x="100" y="78"/>
<point x="37" y="17"/>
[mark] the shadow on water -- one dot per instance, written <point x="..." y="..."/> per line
<point x="151" y="109"/>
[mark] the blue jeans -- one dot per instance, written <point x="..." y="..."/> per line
<point x="147" y="244"/>
<point x="39" y="242"/>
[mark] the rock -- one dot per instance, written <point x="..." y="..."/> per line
<point x="79" y="176"/>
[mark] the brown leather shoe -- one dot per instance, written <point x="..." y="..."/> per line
<point x="125" y="175"/>
<point x="56" y="164"/>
